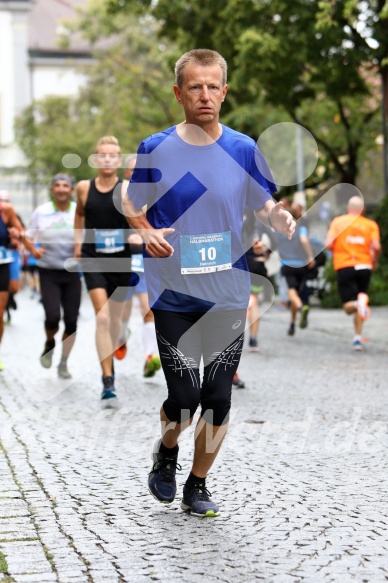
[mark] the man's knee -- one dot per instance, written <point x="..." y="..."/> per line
<point x="182" y="409"/>
<point x="52" y="323"/>
<point x="216" y="408"/>
<point x="350" y="307"/>
<point x="70" y="328"/>
<point x="103" y="320"/>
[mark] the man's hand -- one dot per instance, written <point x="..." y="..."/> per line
<point x="281" y="220"/>
<point x="37" y="253"/>
<point x="156" y="245"/>
<point x="14" y="233"/>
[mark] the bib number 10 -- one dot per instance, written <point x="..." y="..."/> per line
<point x="211" y="253"/>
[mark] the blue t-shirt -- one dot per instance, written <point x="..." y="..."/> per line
<point x="292" y="252"/>
<point x="201" y="192"/>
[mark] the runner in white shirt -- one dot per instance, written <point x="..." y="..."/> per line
<point x="52" y="224"/>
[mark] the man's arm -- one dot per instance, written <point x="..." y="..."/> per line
<point x="375" y="250"/>
<point x="81" y="191"/>
<point x="307" y="249"/>
<point x="275" y="216"/>
<point x="375" y="243"/>
<point x="156" y="245"/>
<point x="331" y="235"/>
<point x="17" y="227"/>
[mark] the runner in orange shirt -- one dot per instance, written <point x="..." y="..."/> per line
<point x="355" y="242"/>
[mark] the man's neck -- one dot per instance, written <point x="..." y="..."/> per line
<point x="106" y="183"/>
<point x="199" y="135"/>
<point x="62" y="206"/>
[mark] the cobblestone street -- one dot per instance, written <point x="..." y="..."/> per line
<point x="301" y="479"/>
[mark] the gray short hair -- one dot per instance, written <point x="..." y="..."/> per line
<point x="205" y="57"/>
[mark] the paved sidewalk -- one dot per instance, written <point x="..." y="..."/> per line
<point x="301" y="479"/>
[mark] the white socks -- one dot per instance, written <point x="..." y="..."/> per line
<point x="149" y="338"/>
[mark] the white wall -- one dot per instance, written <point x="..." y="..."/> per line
<point x="6" y="79"/>
<point x="14" y="80"/>
<point x="65" y="78"/>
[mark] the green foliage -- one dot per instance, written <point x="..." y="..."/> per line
<point x="129" y="94"/>
<point x="378" y="289"/>
<point x="330" y="298"/>
<point x="380" y="215"/>
<point x="49" y="129"/>
<point x="313" y="61"/>
<point x="3" y="563"/>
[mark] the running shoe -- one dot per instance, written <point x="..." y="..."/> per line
<point x="1" y="365"/>
<point x="237" y="382"/>
<point x="291" y="329"/>
<point x="253" y="345"/>
<point x="63" y="372"/>
<point x="47" y="355"/>
<point x="152" y="364"/>
<point x="197" y="500"/>
<point x="362" y="306"/>
<point x="121" y="350"/>
<point x="358" y="345"/>
<point x="304" y="317"/>
<point x="108" y="394"/>
<point x="161" y="479"/>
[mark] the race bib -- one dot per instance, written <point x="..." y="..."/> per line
<point x="137" y="263"/>
<point x="109" y="240"/>
<point x="205" y="253"/>
<point x="5" y="256"/>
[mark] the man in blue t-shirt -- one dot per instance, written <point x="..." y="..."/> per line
<point x="194" y="180"/>
<point x="298" y="263"/>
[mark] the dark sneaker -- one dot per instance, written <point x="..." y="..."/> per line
<point x="63" y="372"/>
<point x="291" y="329"/>
<point x="197" y="501"/>
<point x="237" y="382"/>
<point x="47" y="354"/>
<point x="253" y="345"/>
<point x="304" y="317"/>
<point x="161" y="479"/>
<point x="152" y="364"/>
<point x="108" y="395"/>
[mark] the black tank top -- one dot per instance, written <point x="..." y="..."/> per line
<point x="105" y="222"/>
<point x="4" y="236"/>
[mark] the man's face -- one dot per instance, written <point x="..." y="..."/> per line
<point x="61" y="191"/>
<point x="202" y="93"/>
<point x="107" y="159"/>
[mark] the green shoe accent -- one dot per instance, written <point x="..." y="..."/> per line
<point x="1" y="365"/>
<point x="304" y="317"/>
<point x="152" y="364"/>
<point x="197" y="501"/>
<point x="47" y="355"/>
<point x="63" y="372"/>
<point x="46" y="360"/>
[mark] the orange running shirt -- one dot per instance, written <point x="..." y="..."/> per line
<point x="352" y="241"/>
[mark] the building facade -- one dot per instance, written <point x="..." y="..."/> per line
<point x="33" y="66"/>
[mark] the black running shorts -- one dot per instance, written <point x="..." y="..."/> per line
<point x="351" y="282"/>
